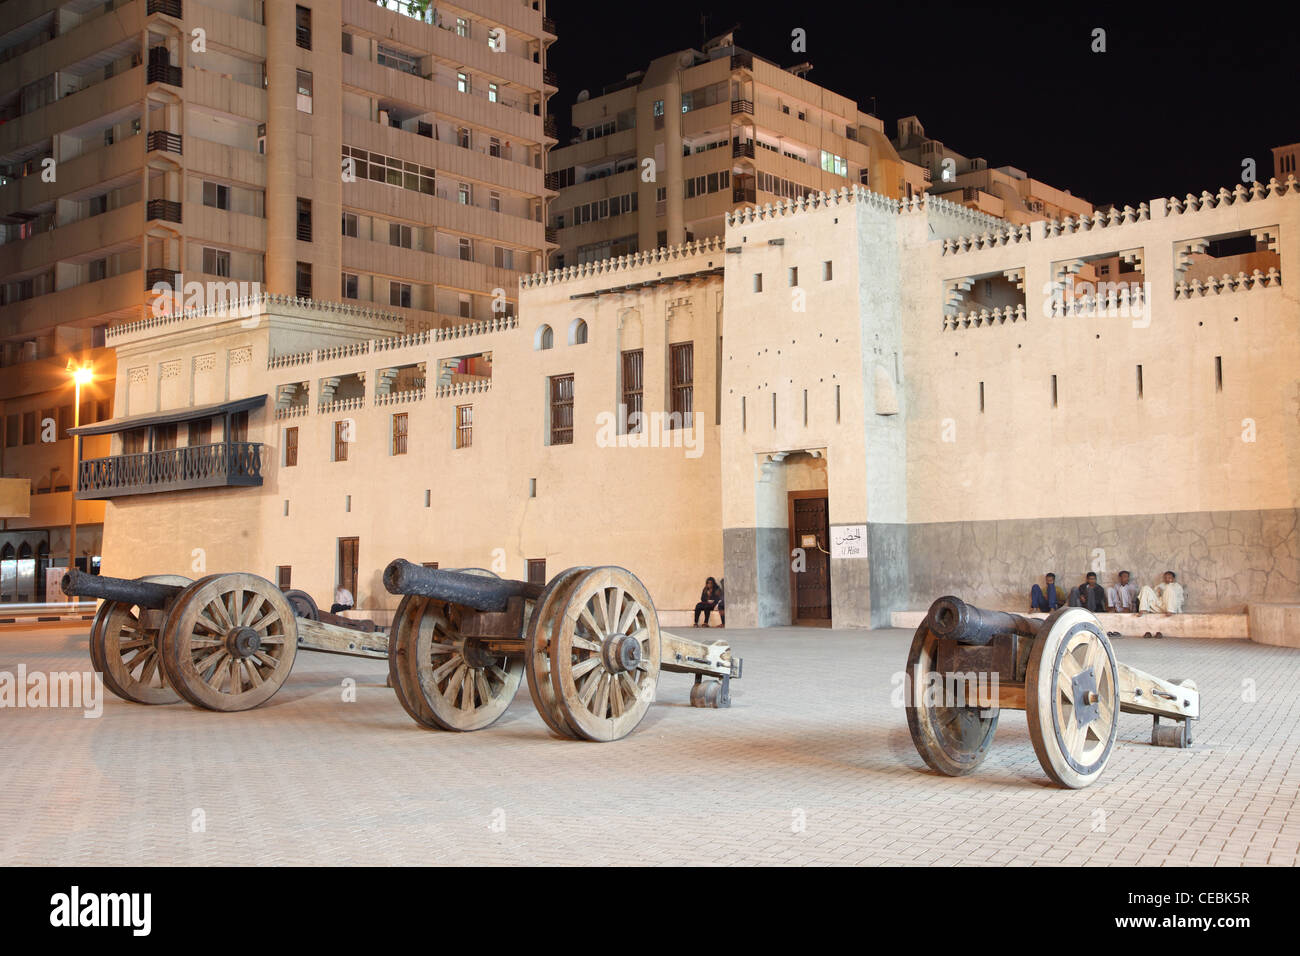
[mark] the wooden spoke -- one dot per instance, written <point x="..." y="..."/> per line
<point x="125" y="651"/>
<point x="438" y="680"/>
<point x="951" y="739"/>
<point x="537" y="649"/>
<point x="1072" y="726"/>
<point x="601" y="692"/>
<point x="202" y="656"/>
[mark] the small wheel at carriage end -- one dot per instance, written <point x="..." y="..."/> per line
<point x="951" y="738"/>
<point x="708" y="692"/>
<point x="230" y="642"/>
<point x="443" y="678"/>
<point x="1072" y="697"/>
<point x="125" y="647"/>
<point x="605" y="651"/>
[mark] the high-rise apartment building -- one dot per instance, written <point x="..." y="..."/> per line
<point x="661" y="157"/>
<point x="1005" y="191"/>
<point x="384" y="154"/>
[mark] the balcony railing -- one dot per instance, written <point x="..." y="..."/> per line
<point x="553" y="181"/>
<point x="153" y="277"/>
<point x="170" y="8"/>
<point x="174" y="469"/>
<point x="549" y="127"/>
<point x="742" y="149"/>
<point x="164" y="73"/>
<point x="744" y="194"/>
<point x="552" y="234"/>
<point x="548" y="77"/>
<point x="159" y="140"/>
<point x="304" y="232"/>
<point x="548" y="26"/>
<point x="164" y="209"/>
<point x="742" y="106"/>
<point x="742" y="60"/>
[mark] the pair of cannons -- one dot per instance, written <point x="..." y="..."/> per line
<point x="461" y="643"/>
<point x="967" y="664"/>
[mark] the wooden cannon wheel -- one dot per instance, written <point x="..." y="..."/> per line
<point x="1072" y="697"/>
<point x="230" y="642"/>
<point x="605" y="654"/>
<point x="952" y="740"/>
<point x="125" y="647"/>
<point x="442" y="679"/>
<point x="537" y="649"/>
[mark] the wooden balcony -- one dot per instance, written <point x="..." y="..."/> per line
<point x="219" y="465"/>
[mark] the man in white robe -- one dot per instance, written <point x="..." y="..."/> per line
<point x="1165" y="598"/>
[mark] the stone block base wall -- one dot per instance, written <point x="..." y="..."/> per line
<point x="1224" y="559"/>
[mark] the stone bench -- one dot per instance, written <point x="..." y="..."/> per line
<point x="1232" y="626"/>
<point x="1277" y="624"/>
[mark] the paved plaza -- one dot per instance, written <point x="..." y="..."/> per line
<point x="811" y="765"/>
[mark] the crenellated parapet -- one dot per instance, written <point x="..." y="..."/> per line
<point x="978" y="318"/>
<point x="651" y="257"/>
<point x="248" y="306"/>
<point x="502" y="323"/>
<point x="1241" y="282"/>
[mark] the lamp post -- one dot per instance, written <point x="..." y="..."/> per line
<point x="82" y="375"/>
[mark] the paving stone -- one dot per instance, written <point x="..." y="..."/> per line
<point x="812" y="740"/>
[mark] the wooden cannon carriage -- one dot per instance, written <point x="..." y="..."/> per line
<point x="1060" y="670"/>
<point x="588" y="643"/>
<point x="458" y="649"/>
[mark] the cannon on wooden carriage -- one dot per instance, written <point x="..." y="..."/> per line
<point x="224" y="642"/>
<point x="1060" y="670"/>
<point x="588" y="643"/>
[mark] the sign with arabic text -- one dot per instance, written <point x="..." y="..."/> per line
<point x="849" y="541"/>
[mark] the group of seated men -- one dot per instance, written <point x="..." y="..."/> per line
<point x="1123" y="597"/>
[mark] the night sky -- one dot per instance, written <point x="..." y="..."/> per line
<point x="1176" y="103"/>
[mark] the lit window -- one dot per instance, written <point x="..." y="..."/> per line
<point x="492" y="92"/>
<point x="462" y="82"/>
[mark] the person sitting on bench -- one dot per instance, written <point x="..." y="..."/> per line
<point x="1045" y="601"/>
<point x="1122" y="598"/>
<point x="1166" y="598"/>
<point x="1089" y="595"/>
<point x="343" y="600"/>
<point x="709" y="599"/>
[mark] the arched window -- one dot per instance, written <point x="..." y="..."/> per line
<point x="577" y="332"/>
<point x="544" y="339"/>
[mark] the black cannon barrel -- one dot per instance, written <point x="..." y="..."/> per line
<point x="968" y="624"/>
<point x="145" y="594"/>
<point x="457" y="587"/>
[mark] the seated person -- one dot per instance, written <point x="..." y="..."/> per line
<point x="722" y="602"/>
<point x="710" y="597"/>
<point x="1049" y="600"/>
<point x="1122" y="598"/>
<point x="1166" y="598"/>
<point x="1089" y="594"/>
<point x="342" y="600"/>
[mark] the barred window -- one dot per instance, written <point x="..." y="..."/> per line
<point x="561" y="409"/>
<point x="682" y="357"/>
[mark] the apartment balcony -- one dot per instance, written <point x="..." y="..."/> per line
<point x="219" y="465"/>
<point x="167" y="277"/>
<point x="549" y="127"/>
<point x="164" y="209"/>
<point x="548" y="26"/>
<point x="552" y="235"/>
<point x="168" y="8"/>
<point x="741" y="149"/>
<point x="164" y="73"/>
<point x="744" y="194"/>
<point x="549" y="78"/>
<point x="742" y="60"/>
<point x="159" y="140"/>
<point x="742" y="106"/>
<point x="552" y="182"/>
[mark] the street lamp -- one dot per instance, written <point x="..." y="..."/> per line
<point x="81" y="375"/>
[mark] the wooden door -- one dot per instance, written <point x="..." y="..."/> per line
<point x="810" y="589"/>
<point x="348" y="548"/>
